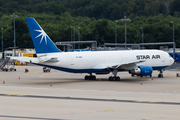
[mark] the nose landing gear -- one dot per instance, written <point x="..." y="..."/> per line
<point x="160" y="75"/>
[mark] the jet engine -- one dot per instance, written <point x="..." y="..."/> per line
<point x="142" y="71"/>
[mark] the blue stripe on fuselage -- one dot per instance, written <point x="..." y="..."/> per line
<point x="90" y="70"/>
<point x="76" y="70"/>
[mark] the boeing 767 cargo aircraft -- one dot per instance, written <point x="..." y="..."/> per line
<point x="136" y="62"/>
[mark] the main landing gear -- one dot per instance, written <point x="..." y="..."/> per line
<point x="111" y="78"/>
<point x="160" y="75"/>
<point x="115" y="77"/>
<point x="90" y="77"/>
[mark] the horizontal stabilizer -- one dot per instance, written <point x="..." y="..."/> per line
<point x="23" y="59"/>
<point x="35" y="60"/>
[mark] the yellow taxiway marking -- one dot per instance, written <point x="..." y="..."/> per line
<point x="16" y="95"/>
<point x="148" y="101"/>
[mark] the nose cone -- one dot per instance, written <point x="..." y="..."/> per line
<point x="171" y="60"/>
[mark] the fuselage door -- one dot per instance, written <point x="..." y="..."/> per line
<point x="163" y="58"/>
<point x="71" y="61"/>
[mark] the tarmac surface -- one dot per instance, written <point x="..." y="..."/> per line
<point x="58" y="95"/>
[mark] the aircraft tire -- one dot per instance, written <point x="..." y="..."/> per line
<point x="110" y="78"/>
<point x="118" y="79"/>
<point x="160" y="76"/>
<point x="93" y="77"/>
<point x="90" y="77"/>
<point x="87" y="77"/>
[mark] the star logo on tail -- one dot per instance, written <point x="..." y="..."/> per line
<point x="43" y="35"/>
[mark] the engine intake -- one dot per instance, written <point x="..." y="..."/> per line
<point x="142" y="71"/>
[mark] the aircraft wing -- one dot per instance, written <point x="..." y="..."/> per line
<point x="126" y="66"/>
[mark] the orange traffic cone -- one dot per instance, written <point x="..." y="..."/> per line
<point x="141" y="83"/>
<point x="19" y="77"/>
<point x="51" y="85"/>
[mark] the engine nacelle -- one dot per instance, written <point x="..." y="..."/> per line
<point x="142" y="71"/>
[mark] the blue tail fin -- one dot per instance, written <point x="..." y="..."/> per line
<point x="41" y="41"/>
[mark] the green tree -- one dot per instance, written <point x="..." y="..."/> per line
<point x="55" y="8"/>
<point x="175" y="7"/>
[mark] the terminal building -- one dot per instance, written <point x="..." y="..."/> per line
<point x="23" y="52"/>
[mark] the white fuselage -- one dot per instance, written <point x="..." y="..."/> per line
<point x="94" y="60"/>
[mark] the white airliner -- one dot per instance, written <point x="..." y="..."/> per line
<point x="136" y="62"/>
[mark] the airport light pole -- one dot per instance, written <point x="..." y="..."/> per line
<point x="125" y="20"/>
<point x="73" y="31"/>
<point x="78" y="37"/>
<point x="116" y="33"/>
<point x="174" y="44"/>
<point x="71" y="34"/>
<point x="142" y="37"/>
<point x="13" y="15"/>
<point x="2" y="40"/>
